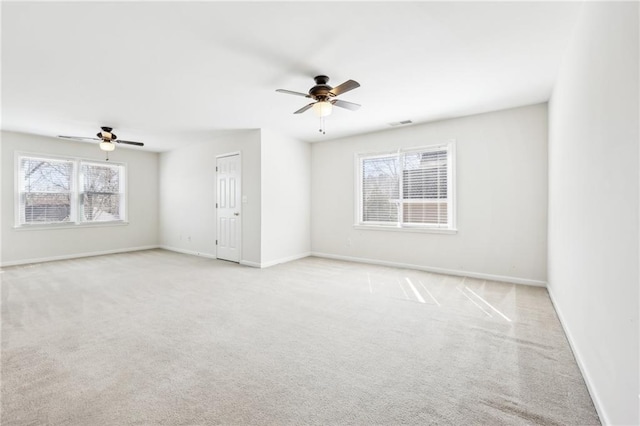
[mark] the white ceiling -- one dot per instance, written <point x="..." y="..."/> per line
<point x="171" y="73"/>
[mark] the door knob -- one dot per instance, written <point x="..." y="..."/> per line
<point x="237" y="214"/>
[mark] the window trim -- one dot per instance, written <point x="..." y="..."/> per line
<point x="382" y="226"/>
<point x="75" y="220"/>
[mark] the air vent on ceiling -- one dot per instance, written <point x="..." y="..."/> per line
<point x="400" y="123"/>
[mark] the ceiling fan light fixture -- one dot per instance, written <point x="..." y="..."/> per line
<point x="322" y="108"/>
<point x="107" y="146"/>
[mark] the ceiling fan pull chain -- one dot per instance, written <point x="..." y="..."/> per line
<point x="322" y="126"/>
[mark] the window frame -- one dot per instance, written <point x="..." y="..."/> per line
<point x="81" y="192"/>
<point x="451" y="227"/>
<point x="75" y="220"/>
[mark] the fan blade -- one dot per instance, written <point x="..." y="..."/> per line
<point x="344" y="104"/>
<point x="79" y="138"/>
<point x="291" y="92"/>
<point x="129" y="142"/>
<point x="304" y="108"/>
<point x="344" y="87"/>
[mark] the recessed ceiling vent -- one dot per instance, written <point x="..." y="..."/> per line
<point x="400" y="123"/>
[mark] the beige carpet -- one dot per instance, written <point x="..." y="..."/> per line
<point x="160" y="338"/>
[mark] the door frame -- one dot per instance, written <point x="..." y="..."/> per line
<point x="230" y="154"/>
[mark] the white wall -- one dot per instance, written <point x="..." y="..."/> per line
<point x="593" y="204"/>
<point x="501" y="198"/>
<point x="286" y="186"/>
<point x="25" y="246"/>
<point x="188" y="195"/>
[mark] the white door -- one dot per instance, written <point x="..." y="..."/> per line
<point x="228" y="207"/>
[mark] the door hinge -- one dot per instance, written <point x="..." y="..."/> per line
<point x="216" y="205"/>
<point x="216" y="242"/>
<point x="216" y="168"/>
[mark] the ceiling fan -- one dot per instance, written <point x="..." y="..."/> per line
<point x="107" y="139"/>
<point x="325" y="97"/>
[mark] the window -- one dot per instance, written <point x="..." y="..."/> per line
<point x="407" y="189"/>
<point x="69" y="191"/>
<point x="101" y="193"/>
<point x="45" y="190"/>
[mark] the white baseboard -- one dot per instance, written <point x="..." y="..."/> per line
<point x="285" y="259"/>
<point x="275" y="262"/>
<point x="75" y="255"/>
<point x="249" y="263"/>
<point x="242" y="262"/>
<point x="604" y="419"/>
<point x="191" y="252"/>
<point x="470" y="274"/>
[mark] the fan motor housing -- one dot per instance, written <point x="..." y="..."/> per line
<point x="321" y="90"/>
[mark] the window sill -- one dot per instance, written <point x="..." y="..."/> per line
<point x="406" y="229"/>
<point x="69" y="226"/>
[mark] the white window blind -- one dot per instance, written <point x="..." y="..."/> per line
<point x="408" y="189"/>
<point x="102" y="197"/>
<point x="45" y="190"/>
<point x="424" y="186"/>
<point x="68" y="191"/>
